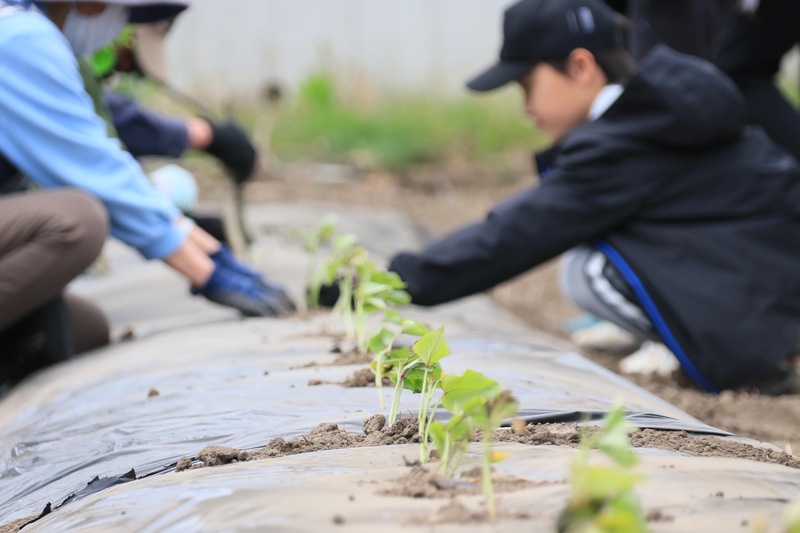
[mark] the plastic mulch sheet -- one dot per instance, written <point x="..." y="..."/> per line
<point x="193" y="375"/>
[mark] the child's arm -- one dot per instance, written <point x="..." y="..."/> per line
<point x="536" y="225"/>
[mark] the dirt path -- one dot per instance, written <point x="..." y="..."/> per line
<point x="446" y="199"/>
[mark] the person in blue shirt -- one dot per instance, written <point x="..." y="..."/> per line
<point x="51" y="136"/>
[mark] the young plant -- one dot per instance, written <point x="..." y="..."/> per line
<point x="603" y="497"/>
<point x="312" y="241"/>
<point x="339" y="269"/>
<point x="793" y="519"/>
<point x="474" y="402"/>
<point x="488" y="416"/>
<point x="363" y="288"/>
<point x="375" y="291"/>
<point x="418" y="370"/>
<point x="381" y="345"/>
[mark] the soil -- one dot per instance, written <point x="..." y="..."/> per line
<point x="349" y="357"/>
<point x="16" y="525"/>
<point x="657" y="515"/>
<point x="770" y="419"/>
<point x="680" y="441"/>
<point x="323" y="437"/>
<point x="674" y="441"/>
<point x="352" y="357"/>
<point x="447" y="197"/>
<point x="362" y="378"/>
<point x="454" y="512"/>
<point x="405" y="430"/>
<point x="420" y="482"/>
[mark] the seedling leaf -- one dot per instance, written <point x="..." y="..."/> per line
<point x="343" y="242"/>
<point x="459" y="391"/>
<point x="372" y="305"/>
<point x="602" y="482"/>
<point x="393" y="317"/>
<point x="438" y="434"/>
<point x="413" y="378"/>
<point x="390" y="279"/>
<point x="614" y="439"/>
<point x="398" y="297"/>
<point x="793" y="519"/>
<point x="382" y="341"/>
<point x="432" y="347"/>
<point x="370" y="288"/>
<point x="328" y="227"/>
<point x="412" y="327"/>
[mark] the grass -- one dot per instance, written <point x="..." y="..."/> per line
<point x="317" y="124"/>
<point x="392" y="132"/>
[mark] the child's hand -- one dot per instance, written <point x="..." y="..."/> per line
<point x="252" y="297"/>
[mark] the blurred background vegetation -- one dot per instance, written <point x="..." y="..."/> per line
<point x="317" y="124"/>
<point x="398" y="131"/>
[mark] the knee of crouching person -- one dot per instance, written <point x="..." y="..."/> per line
<point x="86" y="222"/>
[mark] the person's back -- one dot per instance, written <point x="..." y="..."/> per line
<point x="691" y="218"/>
<point x="713" y="213"/>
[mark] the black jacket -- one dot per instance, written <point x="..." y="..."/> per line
<point x="704" y="209"/>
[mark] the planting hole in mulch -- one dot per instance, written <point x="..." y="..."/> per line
<point x="359" y="379"/>
<point x="455" y="512"/>
<point x="345" y="356"/>
<point x="420" y="482"/>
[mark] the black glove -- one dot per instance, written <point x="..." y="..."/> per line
<point x="233" y="148"/>
<point x="329" y="295"/>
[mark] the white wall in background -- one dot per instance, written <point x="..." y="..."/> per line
<point x="221" y="48"/>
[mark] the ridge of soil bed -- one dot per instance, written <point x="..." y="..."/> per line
<point x="673" y="441"/>
<point x="323" y="437"/>
<point x="405" y="430"/>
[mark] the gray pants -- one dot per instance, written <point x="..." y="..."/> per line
<point x="593" y="284"/>
<point x="47" y="238"/>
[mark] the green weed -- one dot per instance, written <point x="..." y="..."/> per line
<point x="398" y="131"/>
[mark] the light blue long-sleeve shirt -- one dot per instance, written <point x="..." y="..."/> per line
<point x="51" y="133"/>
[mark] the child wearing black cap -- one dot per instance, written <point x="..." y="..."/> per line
<point x="682" y="223"/>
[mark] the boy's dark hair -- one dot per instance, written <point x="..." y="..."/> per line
<point x="616" y="63"/>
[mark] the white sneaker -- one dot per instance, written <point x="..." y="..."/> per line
<point x="604" y="336"/>
<point x="651" y="358"/>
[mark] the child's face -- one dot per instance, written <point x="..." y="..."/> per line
<point x="560" y="101"/>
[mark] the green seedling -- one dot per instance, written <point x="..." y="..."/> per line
<point x="312" y="241"/>
<point x="382" y="346"/>
<point x="603" y="498"/>
<point x="339" y="269"/>
<point x="793" y="519"/>
<point x="418" y="370"/>
<point x="489" y="417"/>
<point x="791" y="522"/>
<point x="474" y="402"/>
<point x="462" y="395"/>
<point x="375" y="291"/>
<point x="363" y="288"/>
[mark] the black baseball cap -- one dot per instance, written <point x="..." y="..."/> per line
<point x="535" y="30"/>
<point x="155" y="13"/>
